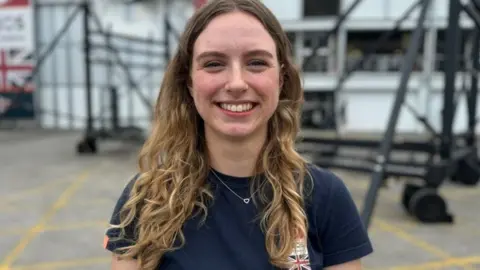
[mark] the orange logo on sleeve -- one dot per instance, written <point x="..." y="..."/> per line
<point x="105" y="241"/>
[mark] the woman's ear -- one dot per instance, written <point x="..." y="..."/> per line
<point x="282" y="76"/>
<point x="189" y="86"/>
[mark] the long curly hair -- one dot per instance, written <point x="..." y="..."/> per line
<point x="173" y="164"/>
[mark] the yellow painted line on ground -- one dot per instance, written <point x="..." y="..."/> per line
<point x="19" y="195"/>
<point x="425" y="246"/>
<point x="64" y="264"/>
<point x="402" y="234"/>
<point x="399" y="231"/>
<point x="74" y="226"/>
<point x="17" y="208"/>
<point x="94" y="202"/>
<point x="58" y="227"/>
<point x="40" y="226"/>
<point x="443" y="264"/>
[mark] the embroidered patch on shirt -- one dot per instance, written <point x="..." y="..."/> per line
<point x="299" y="257"/>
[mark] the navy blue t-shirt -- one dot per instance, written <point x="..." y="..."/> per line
<point x="232" y="239"/>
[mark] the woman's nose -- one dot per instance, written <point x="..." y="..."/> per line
<point x="236" y="80"/>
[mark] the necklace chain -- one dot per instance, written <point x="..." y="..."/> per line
<point x="245" y="200"/>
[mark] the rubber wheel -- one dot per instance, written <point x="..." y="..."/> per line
<point x="465" y="174"/>
<point x="429" y="207"/>
<point x="408" y="191"/>
<point x="87" y="146"/>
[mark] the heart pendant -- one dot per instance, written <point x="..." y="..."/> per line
<point x="246" y="201"/>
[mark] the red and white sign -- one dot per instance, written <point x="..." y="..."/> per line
<point x="17" y="44"/>
<point x="14" y="3"/>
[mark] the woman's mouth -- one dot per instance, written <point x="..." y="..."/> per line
<point x="237" y="107"/>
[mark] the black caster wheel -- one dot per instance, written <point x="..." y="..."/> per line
<point x="465" y="174"/>
<point x="436" y="173"/>
<point x="428" y="206"/>
<point x="408" y="191"/>
<point x="87" y="146"/>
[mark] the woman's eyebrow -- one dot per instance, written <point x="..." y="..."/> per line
<point x="255" y="52"/>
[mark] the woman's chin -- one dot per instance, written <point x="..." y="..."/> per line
<point x="235" y="131"/>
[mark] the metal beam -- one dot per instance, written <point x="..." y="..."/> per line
<point x="372" y="49"/>
<point x="324" y="38"/>
<point x="473" y="93"/>
<point x="386" y="144"/>
<point x="452" y="49"/>
<point x="470" y="9"/>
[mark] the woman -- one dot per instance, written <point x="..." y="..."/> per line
<point x="220" y="183"/>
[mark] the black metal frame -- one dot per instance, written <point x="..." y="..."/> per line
<point x="91" y="45"/>
<point x="89" y="143"/>
<point x="445" y="154"/>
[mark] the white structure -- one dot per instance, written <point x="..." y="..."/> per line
<point x="61" y="83"/>
<point x="368" y="94"/>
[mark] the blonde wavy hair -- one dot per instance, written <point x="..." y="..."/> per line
<point x="173" y="163"/>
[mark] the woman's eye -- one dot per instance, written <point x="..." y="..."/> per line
<point x="258" y="63"/>
<point x="212" y="64"/>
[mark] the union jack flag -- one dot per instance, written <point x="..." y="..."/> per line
<point x="16" y="66"/>
<point x="299" y="257"/>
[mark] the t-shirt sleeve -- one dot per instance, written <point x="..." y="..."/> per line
<point x="343" y="236"/>
<point x="116" y="238"/>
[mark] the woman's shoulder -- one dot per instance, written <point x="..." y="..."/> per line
<point x="328" y="194"/>
<point x="324" y="182"/>
<point x="335" y="220"/>
<point x="126" y="192"/>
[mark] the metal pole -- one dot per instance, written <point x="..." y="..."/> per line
<point x="451" y="66"/>
<point x="88" y="75"/>
<point x="471" y="10"/>
<point x="166" y="34"/>
<point x="378" y="43"/>
<point x="147" y="102"/>
<point x="325" y="37"/>
<point x="472" y="95"/>
<point x="110" y="87"/>
<point x="386" y="145"/>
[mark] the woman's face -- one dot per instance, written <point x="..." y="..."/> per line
<point x="235" y="76"/>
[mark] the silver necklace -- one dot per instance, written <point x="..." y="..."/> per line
<point x="245" y="200"/>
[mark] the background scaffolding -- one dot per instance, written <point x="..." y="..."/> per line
<point x="93" y="82"/>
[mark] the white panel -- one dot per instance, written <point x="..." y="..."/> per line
<point x="97" y="103"/>
<point x="372" y="81"/>
<point x="375" y="118"/>
<point x="367" y="9"/>
<point x="62" y="108"/>
<point x="286" y="9"/>
<point x="440" y="8"/>
<point x="142" y="112"/>
<point x="396" y="8"/>
<point x="461" y="116"/>
<point x="80" y="109"/>
<point x="46" y="105"/>
<point x="369" y="95"/>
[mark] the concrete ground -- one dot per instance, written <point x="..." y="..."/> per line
<point x="54" y="208"/>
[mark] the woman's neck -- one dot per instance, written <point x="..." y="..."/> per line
<point x="232" y="157"/>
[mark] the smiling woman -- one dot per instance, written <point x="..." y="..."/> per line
<point x="235" y="68"/>
<point x="220" y="184"/>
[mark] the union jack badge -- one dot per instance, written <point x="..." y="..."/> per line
<point x="299" y="257"/>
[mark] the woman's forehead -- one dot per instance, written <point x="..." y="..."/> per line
<point x="234" y="32"/>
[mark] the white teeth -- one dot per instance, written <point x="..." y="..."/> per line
<point x="237" y="107"/>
